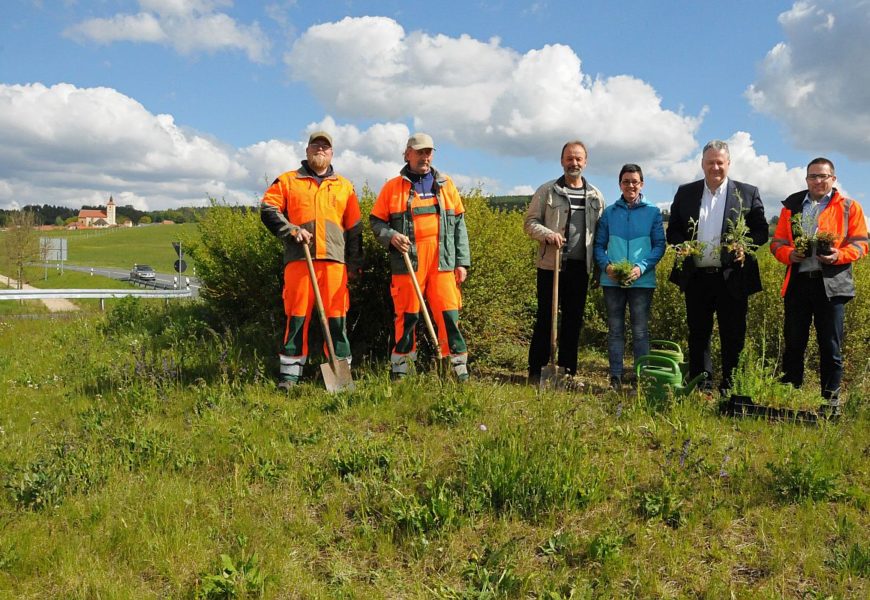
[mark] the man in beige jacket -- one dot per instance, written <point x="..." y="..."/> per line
<point x="563" y="214"/>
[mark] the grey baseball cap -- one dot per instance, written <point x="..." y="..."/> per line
<point x="320" y="134"/>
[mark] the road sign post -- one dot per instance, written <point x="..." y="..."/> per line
<point x="180" y="264"/>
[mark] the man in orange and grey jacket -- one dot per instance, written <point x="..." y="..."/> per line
<point x="818" y="285"/>
<point x="420" y="212"/>
<point x="314" y="205"/>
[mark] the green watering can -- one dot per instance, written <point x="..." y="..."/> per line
<point x="660" y="374"/>
<point x="671" y="350"/>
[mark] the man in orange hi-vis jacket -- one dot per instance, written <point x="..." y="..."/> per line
<point x="818" y="281"/>
<point x="314" y="205"/>
<point x="420" y="212"/>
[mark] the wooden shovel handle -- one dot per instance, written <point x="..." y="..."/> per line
<point x="320" y="310"/>
<point x="429" y="327"/>
<point x="554" y="309"/>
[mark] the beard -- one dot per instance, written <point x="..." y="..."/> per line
<point x="318" y="162"/>
<point x="574" y="173"/>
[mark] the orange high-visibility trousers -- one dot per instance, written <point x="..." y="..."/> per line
<point x="299" y="305"/>
<point x="444" y="298"/>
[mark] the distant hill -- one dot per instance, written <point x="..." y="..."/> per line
<point x="510" y="202"/>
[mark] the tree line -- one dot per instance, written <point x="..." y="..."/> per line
<point x="47" y="214"/>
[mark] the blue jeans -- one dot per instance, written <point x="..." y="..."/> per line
<point x="639" y="301"/>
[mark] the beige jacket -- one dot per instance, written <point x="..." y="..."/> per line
<point x="548" y="211"/>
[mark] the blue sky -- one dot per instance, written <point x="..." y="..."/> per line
<point x="162" y="103"/>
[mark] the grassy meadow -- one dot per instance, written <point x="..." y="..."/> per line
<point x="122" y="247"/>
<point x="145" y="452"/>
<point x="144" y="455"/>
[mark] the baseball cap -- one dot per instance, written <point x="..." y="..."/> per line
<point x="419" y="141"/>
<point x="320" y="134"/>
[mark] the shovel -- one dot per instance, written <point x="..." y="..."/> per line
<point x="429" y="327"/>
<point x="551" y="375"/>
<point x="336" y="373"/>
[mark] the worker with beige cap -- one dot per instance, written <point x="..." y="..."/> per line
<point x="314" y="205"/>
<point x="420" y="212"/>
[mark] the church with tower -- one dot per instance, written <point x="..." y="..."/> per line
<point x="97" y="219"/>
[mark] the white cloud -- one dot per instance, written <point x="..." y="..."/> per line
<point x="188" y="26"/>
<point x="817" y="82"/>
<point x="69" y="146"/>
<point x="775" y="180"/>
<point x="521" y="190"/>
<point x="65" y="145"/>
<point x="480" y="94"/>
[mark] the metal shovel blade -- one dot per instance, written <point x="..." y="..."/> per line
<point x="552" y="377"/>
<point x="336" y="375"/>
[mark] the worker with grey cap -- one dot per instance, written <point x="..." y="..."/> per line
<point x="420" y="213"/>
<point x="314" y="205"/>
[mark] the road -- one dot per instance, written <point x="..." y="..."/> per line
<point x="163" y="280"/>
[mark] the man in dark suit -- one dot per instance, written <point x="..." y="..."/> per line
<point x="719" y="281"/>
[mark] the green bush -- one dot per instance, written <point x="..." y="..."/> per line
<point x="240" y="266"/>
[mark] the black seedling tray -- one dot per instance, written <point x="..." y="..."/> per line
<point x="743" y="406"/>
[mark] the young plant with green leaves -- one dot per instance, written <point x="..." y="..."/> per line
<point x="691" y="248"/>
<point x="738" y="239"/>
<point x="822" y="241"/>
<point x="622" y="272"/>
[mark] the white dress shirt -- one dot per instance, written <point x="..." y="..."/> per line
<point x="710" y="220"/>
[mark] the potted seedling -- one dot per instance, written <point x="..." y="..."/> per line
<point x="757" y="391"/>
<point x="802" y="242"/>
<point x="825" y="241"/>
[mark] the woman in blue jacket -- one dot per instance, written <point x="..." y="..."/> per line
<point x="629" y="230"/>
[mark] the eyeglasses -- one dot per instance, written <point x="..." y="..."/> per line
<point x="819" y="177"/>
<point x="319" y="145"/>
<point x="630" y="183"/>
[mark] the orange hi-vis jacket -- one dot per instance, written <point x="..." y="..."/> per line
<point x="330" y="211"/>
<point x="845" y="219"/>
<point x="393" y="213"/>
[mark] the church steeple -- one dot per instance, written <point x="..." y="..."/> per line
<point x="110" y="211"/>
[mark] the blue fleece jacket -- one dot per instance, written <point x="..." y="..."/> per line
<point x="634" y="233"/>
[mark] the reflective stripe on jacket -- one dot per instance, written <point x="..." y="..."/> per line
<point x="329" y="210"/>
<point x="845" y="219"/>
<point x="392" y="214"/>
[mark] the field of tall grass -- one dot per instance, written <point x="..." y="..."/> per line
<point x="122" y="247"/>
<point x="144" y="454"/>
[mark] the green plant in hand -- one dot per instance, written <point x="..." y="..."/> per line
<point x="691" y="248"/>
<point x="737" y="239"/>
<point x="802" y="242"/>
<point x="825" y="241"/>
<point x="622" y="272"/>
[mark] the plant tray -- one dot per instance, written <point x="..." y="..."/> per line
<point x="743" y="406"/>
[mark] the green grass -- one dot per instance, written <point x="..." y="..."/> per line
<point x="143" y="455"/>
<point x="122" y="247"/>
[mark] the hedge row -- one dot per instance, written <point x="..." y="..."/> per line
<point x="239" y="263"/>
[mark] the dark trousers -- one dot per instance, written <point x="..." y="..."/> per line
<point x="805" y="303"/>
<point x="706" y="296"/>
<point x="573" y="284"/>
